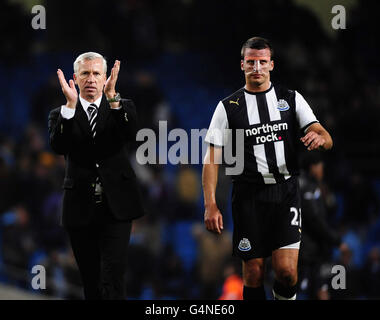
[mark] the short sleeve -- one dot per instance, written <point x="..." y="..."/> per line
<point x="217" y="133"/>
<point x="305" y="115"/>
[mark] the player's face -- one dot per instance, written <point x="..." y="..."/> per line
<point x="90" y="78"/>
<point x="257" y="65"/>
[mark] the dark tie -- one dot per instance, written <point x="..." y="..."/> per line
<point x="93" y="112"/>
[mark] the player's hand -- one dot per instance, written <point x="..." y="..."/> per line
<point x="109" y="88"/>
<point x="213" y="219"/>
<point x="68" y="90"/>
<point x="313" y="140"/>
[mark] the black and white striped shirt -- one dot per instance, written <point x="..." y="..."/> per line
<point x="272" y="121"/>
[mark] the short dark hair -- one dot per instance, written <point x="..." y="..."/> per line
<point x="257" y="43"/>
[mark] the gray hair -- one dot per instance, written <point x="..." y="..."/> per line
<point x="89" y="56"/>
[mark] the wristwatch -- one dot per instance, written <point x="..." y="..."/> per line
<point x="116" y="98"/>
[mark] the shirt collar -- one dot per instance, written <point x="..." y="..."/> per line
<point x="85" y="104"/>
<point x="265" y="91"/>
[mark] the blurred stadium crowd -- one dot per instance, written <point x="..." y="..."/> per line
<point x="178" y="59"/>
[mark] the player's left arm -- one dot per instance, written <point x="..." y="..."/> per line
<point x="317" y="137"/>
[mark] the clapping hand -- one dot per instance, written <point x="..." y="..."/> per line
<point x="109" y="88"/>
<point x="68" y="90"/>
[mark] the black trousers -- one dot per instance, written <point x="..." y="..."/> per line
<point x="100" y="250"/>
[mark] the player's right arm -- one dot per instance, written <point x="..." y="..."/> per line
<point x="61" y="119"/>
<point x="216" y="139"/>
<point x="68" y="90"/>
<point x="213" y="218"/>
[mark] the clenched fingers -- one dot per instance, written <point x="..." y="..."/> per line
<point x="317" y="142"/>
<point x="308" y="138"/>
<point x="312" y="140"/>
<point x="214" y="224"/>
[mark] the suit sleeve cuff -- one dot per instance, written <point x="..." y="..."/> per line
<point x="67" y="113"/>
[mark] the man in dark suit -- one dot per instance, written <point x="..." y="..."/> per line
<point x="101" y="194"/>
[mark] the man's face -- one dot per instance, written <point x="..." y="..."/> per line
<point x="90" y="78"/>
<point x="257" y="65"/>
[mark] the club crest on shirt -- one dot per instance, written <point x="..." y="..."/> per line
<point x="282" y="105"/>
<point x="244" y="245"/>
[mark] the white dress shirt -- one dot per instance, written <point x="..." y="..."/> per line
<point x="68" y="113"/>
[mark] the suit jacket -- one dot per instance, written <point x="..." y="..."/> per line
<point x="105" y="156"/>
